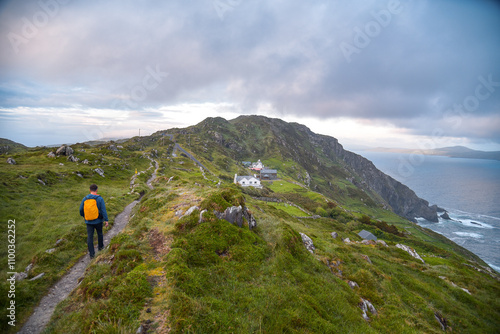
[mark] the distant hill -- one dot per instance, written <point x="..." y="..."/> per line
<point x="8" y="146"/>
<point x="453" y="152"/>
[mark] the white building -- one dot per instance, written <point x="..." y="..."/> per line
<point x="247" y="181"/>
<point x="257" y="166"/>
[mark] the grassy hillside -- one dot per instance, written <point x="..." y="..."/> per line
<point x="43" y="196"/>
<point x="8" y="146"/>
<point x="167" y="273"/>
<point x="181" y="274"/>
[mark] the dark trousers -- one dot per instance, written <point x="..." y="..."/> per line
<point x="90" y="238"/>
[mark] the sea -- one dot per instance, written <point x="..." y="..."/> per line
<point x="469" y="189"/>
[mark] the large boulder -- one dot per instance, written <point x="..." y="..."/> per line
<point x="61" y="150"/>
<point x="51" y="155"/>
<point x="235" y="215"/>
<point x="64" y="150"/>
<point x="11" y="161"/>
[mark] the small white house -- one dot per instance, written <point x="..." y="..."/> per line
<point x="247" y="181"/>
<point x="257" y="166"/>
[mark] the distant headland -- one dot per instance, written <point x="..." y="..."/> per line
<point x="453" y="152"/>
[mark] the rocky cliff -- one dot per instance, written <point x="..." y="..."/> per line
<point x="399" y="197"/>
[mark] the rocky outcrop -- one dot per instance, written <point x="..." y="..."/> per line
<point x="37" y="277"/>
<point x="99" y="171"/>
<point x="442" y="320"/>
<point x="410" y="251"/>
<point x="11" y="161"/>
<point x="64" y="150"/>
<point x="201" y="219"/>
<point x="252" y="223"/>
<point x="72" y="158"/>
<point x="190" y="211"/>
<point x="445" y="216"/>
<point x="366" y="306"/>
<point x="353" y="284"/>
<point x="382" y="242"/>
<point x="235" y="215"/>
<point x="366" y="258"/>
<point x="308" y="243"/>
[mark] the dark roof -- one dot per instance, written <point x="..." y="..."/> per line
<point x="367" y="235"/>
<point x="269" y="171"/>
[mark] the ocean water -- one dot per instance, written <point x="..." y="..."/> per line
<point x="469" y="189"/>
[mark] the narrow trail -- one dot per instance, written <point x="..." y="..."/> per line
<point x="61" y="290"/>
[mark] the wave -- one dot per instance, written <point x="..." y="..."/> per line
<point x="472" y="223"/>
<point x="492" y="266"/>
<point x="455" y="220"/>
<point x="471" y="219"/>
<point x="465" y="219"/>
<point x="470" y="214"/>
<point x="469" y="235"/>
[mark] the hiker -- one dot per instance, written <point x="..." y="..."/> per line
<point x="93" y="210"/>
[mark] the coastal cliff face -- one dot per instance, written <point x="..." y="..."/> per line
<point x="319" y="158"/>
<point x="402" y="200"/>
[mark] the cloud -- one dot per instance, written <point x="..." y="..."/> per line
<point x="414" y="60"/>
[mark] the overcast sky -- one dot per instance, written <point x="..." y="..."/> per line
<point x="417" y="74"/>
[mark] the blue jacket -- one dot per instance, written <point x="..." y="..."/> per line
<point x="100" y="205"/>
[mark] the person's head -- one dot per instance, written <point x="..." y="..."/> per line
<point x="93" y="188"/>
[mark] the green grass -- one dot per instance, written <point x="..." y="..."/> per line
<point x="284" y="186"/>
<point x="47" y="213"/>
<point x="170" y="273"/>
<point x="291" y="210"/>
<point x="218" y="278"/>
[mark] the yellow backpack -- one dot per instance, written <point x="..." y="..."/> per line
<point x="90" y="209"/>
